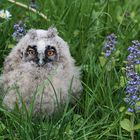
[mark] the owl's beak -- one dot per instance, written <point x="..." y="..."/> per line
<point x="41" y="64"/>
<point x="41" y="61"/>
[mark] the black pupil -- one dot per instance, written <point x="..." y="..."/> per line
<point x="31" y="51"/>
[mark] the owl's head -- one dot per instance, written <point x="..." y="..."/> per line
<point x="42" y="47"/>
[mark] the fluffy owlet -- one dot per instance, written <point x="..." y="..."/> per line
<point x="40" y="68"/>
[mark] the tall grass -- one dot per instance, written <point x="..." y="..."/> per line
<point x="84" y="24"/>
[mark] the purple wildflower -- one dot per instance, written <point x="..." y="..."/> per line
<point x="130" y="110"/>
<point x="19" y="30"/>
<point x="110" y="44"/>
<point x="33" y="4"/>
<point x="133" y="84"/>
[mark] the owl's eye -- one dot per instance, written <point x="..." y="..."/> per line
<point x="31" y="51"/>
<point x="50" y="53"/>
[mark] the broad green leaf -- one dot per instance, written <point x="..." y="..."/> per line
<point x="10" y="46"/>
<point x="102" y="60"/>
<point x="137" y="67"/>
<point x="123" y="69"/>
<point x="117" y="53"/>
<point x="119" y="18"/>
<point x="137" y="104"/>
<point x="122" y="81"/>
<point x="133" y="14"/>
<point x="122" y="108"/>
<point x="111" y="64"/>
<point x="136" y="127"/>
<point x="128" y="113"/>
<point x="68" y="129"/>
<point x="126" y="124"/>
<point x="109" y="67"/>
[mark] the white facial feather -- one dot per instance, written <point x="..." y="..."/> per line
<point x="41" y="51"/>
<point x="41" y="46"/>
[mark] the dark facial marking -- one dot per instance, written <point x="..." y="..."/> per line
<point x="50" y="50"/>
<point x="31" y="53"/>
<point x="31" y="50"/>
<point x="50" y="53"/>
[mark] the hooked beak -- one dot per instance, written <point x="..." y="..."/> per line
<point x="41" y="61"/>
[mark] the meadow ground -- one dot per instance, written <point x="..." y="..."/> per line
<point x="84" y="24"/>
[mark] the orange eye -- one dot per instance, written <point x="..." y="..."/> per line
<point x="50" y="53"/>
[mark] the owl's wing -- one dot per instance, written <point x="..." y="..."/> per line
<point x="12" y="61"/>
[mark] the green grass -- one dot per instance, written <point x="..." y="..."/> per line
<point x="84" y="24"/>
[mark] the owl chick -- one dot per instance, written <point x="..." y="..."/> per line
<point x="40" y="68"/>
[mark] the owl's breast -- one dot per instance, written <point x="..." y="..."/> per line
<point x="28" y="78"/>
